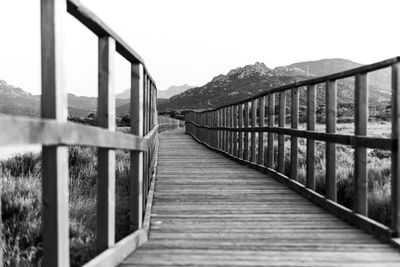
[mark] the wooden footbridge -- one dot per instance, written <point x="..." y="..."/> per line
<point x="215" y="193"/>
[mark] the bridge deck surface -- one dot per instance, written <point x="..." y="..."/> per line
<point x="211" y="211"/>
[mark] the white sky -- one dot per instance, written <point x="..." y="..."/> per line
<point x="188" y="41"/>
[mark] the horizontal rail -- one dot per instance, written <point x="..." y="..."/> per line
<point x="343" y="139"/>
<point x="250" y="115"/>
<point x="47" y="132"/>
<point x="101" y="29"/>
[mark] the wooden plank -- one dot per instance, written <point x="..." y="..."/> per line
<point x="190" y="226"/>
<point x="395" y="167"/>
<point x="136" y="161"/>
<point x="294" y="149"/>
<point x="230" y="134"/>
<point x="246" y="135"/>
<point x="271" y="119"/>
<point x="331" y="147"/>
<point x="360" y="182"/>
<point x="253" y="134"/>
<point x="261" y="108"/>
<point x="240" y="135"/>
<point x="54" y="158"/>
<point x="281" y="137"/>
<point x="106" y="157"/>
<point x="311" y="120"/>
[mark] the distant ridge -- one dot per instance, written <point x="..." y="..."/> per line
<point x="171" y="91"/>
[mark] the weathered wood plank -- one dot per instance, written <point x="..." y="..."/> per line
<point x="240" y="134"/>
<point x="216" y="212"/>
<point x="54" y="158"/>
<point x="395" y="167"/>
<point x="106" y="157"/>
<point x="253" y="134"/>
<point x="136" y="161"/>
<point x="281" y="137"/>
<point x="311" y="120"/>
<point x="331" y="147"/>
<point x="261" y="123"/>
<point x="360" y="154"/>
<point x="294" y="144"/>
<point x="271" y="121"/>
<point x="246" y="135"/>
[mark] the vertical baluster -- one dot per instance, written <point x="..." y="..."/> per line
<point x="331" y="147"/>
<point x="395" y="180"/>
<point x="54" y="158"/>
<point x="223" y="131"/>
<point x="294" y="140"/>
<point x="253" y="134"/>
<point x="226" y="109"/>
<point x="271" y="119"/>
<point x="240" y="134"/>
<point x="261" y="107"/>
<point x="106" y="157"/>
<point x="281" y="137"/>
<point x="311" y="119"/>
<point x="231" y="117"/>
<point x="360" y="153"/>
<point x="235" y="133"/>
<point x="246" y="134"/>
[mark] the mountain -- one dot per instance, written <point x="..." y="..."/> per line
<point x="253" y="79"/>
<point x="16" y="101"/>
<point x="165" y="94"/>
<point x="173" y="90"/>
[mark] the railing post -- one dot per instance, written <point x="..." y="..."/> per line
<point x="136" y="171"/>
<point x="261" y="123"/>
<point x="281" y="137"/>
<point x="246" y="134"/>
<point x="395" y="180"/>
<point x="271" y="119"/>
<point x="253" y="134"/>
<point x="331" y="147"/>
<point x="54" y="158"/>
<point x="311" y="120"/>
<point x="294" y="140"/>
<point x="231" y="116"/>
<point x="106" y="157"/>
<point x="235" y="133"/>
<point x="240" y="123"/>
<point x="360" y="182"/>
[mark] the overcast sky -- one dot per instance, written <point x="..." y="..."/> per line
<point x="188" y="41"/>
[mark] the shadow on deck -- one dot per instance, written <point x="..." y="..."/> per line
<point x="209" y="210"/>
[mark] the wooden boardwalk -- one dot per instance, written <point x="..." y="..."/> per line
<point x="211" y="211"/>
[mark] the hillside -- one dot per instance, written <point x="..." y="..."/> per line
<point x="250" y="80"/>
<point x="16" y="101"/>
<point x="163" y="94"/>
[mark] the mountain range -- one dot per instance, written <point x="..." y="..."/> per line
<point x="243" y="82"/>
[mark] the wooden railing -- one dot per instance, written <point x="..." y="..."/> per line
<point x="55" y="133"/>
<point x="226" y="129"/>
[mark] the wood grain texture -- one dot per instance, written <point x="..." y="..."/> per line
<point x="330" y="109"/>
<point x="55" y="216"/>
<point x="246" y="135"/>
<point x="105" y="218"/>
<point x="253" y="147"/>
<point x="281" y="137"/>
<point x="261" y="123"/>
<point x="360" y="154"/>
<point x="311" y="120"/>
<point x="209" y="210"/>
<point x="271" y="120"/>
<point x="395" y="181"/>
<point x="294" y="143"/>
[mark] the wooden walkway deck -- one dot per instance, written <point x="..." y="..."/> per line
<point x="211" y="211"/>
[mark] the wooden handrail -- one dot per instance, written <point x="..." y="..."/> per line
<point x="238" y="123"/>
<point x="54" y="133"/>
